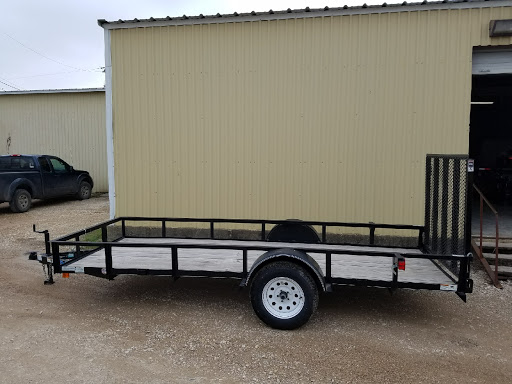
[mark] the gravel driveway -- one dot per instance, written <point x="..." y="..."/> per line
<point x="151" y="329"/>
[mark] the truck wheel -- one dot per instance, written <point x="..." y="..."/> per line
<point x="284" y="295"/>
<point x="21" y="201"/>
<point x="84" y="191"/>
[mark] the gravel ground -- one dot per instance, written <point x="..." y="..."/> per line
<point x="151" y="329"/>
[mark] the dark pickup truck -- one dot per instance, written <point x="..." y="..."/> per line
<point x="27" y="177"/>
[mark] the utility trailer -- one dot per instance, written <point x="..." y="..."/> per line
<point x="291" y="262"/>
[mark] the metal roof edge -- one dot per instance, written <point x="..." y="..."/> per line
<point x="45" y="91"/>
<point x="304" y="13"/>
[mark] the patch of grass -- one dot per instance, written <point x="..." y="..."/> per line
<point x="94" y="236"/>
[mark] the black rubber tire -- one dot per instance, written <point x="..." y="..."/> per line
<point x="21" y="201"/>
<point x="84" y="191"/>
<point x="293" y="232"/>
<point x="300" y="276"/>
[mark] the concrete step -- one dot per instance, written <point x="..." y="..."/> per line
<point x="504" y="272"/>
<point x="501" y="256"/>
<point x="504" y="260"/>
<point x="488" y="246"/>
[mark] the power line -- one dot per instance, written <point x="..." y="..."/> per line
<point x="94" y="70"/>
<point x="11" y="86"/>
<point x="10" y="83"/>
<point x="42" y="55"/>
<point x="44" y="74"/>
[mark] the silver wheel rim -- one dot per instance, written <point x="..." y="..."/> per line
<point x="84" y="190"/>
<point x="283" y="298"/>
<point x="23" y="201"/>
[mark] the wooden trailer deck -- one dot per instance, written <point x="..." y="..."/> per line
<point x="346" y="266"/>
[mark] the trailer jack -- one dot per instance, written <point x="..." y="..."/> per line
<point x="48" y="274"/>
<point x="47" y="262"/>
<point x="45" y="259"/>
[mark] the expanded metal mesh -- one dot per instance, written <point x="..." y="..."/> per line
<point x="445" y="206"/>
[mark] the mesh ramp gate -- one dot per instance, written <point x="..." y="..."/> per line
<point x="446" y="207"/>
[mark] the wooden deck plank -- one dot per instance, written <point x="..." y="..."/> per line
<point x="342" y="265"/>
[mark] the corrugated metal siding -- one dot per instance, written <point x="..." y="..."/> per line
<point x="324" y="119"/>
<point x="68" y="125"/>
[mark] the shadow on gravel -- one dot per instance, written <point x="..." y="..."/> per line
<point x="379" y="302"/>
<point x="225" y="296"/>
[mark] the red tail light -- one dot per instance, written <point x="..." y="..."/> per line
<point x="401" y="265"/>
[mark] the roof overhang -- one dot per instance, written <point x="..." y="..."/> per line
<point x="45" y="91"/>
<point x="304" y="13"/>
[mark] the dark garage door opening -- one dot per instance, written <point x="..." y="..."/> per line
<point x="490" y="144"/>
<point x="490" y="137"/>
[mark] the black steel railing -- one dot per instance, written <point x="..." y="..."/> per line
<point x="73" y="240"/>
<point x="263" y="226"/>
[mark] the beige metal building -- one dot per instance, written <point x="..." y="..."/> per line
<point x="321" y="114"/>
<point x="65" y="123"/>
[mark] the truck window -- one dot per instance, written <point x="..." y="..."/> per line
<point x="5" y="163"/>
<point x="16" y="162"/>
<point x="25" y="162"/>
<point x="45" y="166"/>
<point x="59" y="166"/>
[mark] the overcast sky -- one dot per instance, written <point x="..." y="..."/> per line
<point x="56" y="44"/>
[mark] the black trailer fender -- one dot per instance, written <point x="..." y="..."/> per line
<point x="287" y="254"/>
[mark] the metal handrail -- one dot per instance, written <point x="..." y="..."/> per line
<point x="497" y="239"/>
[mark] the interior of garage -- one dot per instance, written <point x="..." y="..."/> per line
<point x="490" y="145"/>
<point x="490" y="139"/>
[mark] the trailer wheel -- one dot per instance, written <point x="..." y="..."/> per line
<point x="284" y="295"/>
<point x="84" y="191"/>
<point x="21" y="201"/>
